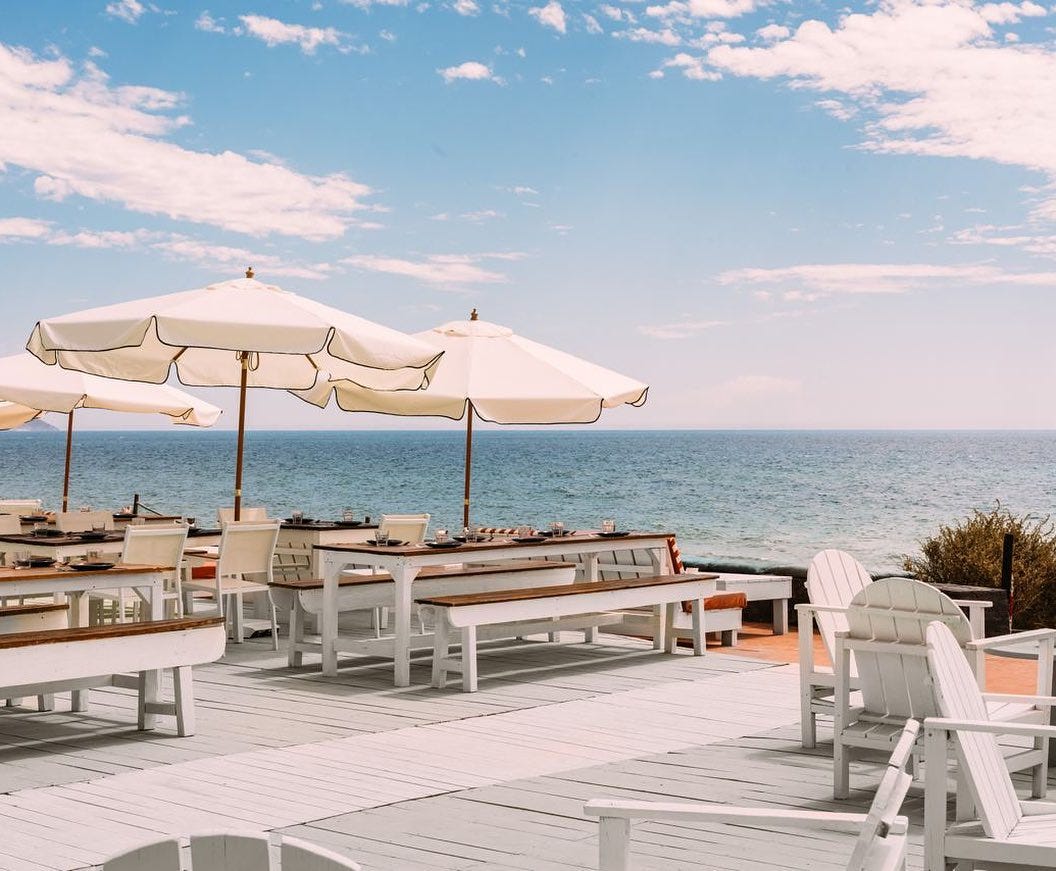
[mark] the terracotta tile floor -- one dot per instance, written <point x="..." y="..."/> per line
<point x="1003" y="675"/>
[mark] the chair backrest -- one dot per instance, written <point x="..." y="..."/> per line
<point x="154" y="545"/>
<point x="957" y="697"/>
<point x="896" y="681"/>
<point x="227" y="513"/>
<point x="247" y="547"/>
<point x="880" y="822"/>
<point x="20" y="506"/>
<point x="833" y="579"/>
<point x="10" y="524"/>
<point x="231" y="852"/>
<point x="82" y="521"/>
<point x="406" y="527"/>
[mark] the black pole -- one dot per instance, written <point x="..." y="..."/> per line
<point x="135" y="503"/>
<point x="1006" y="572"/>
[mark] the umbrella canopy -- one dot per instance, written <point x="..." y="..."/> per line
<point x="500" y="377"/>
<point x="29" y="385"/>
<point x="240" y="333"/>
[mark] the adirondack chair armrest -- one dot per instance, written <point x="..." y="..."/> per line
<point x="1034" y="808"/>
<point x="717" y="813"/>
<point x="808" y="607"/>
<point x="1026" y="729"/>
<point x="1017" y="699"/>
<point x="1011" y="638"/>
<point x="973" y="603"/>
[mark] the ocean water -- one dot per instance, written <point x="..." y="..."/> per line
<point x="781" y="495"/>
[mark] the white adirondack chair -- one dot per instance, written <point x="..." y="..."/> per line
<point x="881" y="843"/>
<point x="886" y="625"/>
<point x="833" y="579"/>
<point x="244" y="566"/>
<point x="231" y="852"/>
<point x="1006" y="833"/>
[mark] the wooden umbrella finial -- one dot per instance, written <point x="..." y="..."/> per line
<point x="249" y="272"/>
<point x="473" y="315"/>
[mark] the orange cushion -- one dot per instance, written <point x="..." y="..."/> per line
<point x="201" y="573"/>
<point x="676" y="556"/>
<point x="720" y="602"/>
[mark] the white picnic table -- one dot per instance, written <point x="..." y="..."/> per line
<point x="405" y="562"/>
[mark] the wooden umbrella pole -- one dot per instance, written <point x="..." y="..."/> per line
<point x="469" y="461"/>
<point x="244" y="355"/>
<point x="69" y="452"/>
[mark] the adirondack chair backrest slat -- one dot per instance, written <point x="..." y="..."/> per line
<point x="895" y="684"/>
<point x="833" y="579"/>
<point x="159" y="856"/>
<point x="957" y="697"/>
<point x="888" y="799"/>
<point x="224" y="851"/>
<point x="230" y="852"/>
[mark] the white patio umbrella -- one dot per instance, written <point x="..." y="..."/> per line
<point x="29" y="385"/>
<point x="500" y="377"/>
<point x="240" y="333"/>
<point x="13" y="415"/>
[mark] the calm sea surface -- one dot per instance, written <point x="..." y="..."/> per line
<point x="778" y="495"/>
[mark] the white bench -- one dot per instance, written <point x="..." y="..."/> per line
<point x="359" y="591"/>
<point x="777" y="588"/>
<point x="544" y="609"/>
<point x="27" y="618"/>
<point x="39" y="663"/>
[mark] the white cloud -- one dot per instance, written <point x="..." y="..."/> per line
<point x="522" y="190"/>
<point x="772" y="32"/>
<point x="82" y="136"/>
<point x="223" y="258"/>
<point x="615" y="13"/>
<point x="1010" y="13"/>
<point x="387" y="35"/>
<point x="806" y="282"/>
<point x="692" y="67"/>
<point x="1042" y="244"/>
<point x="592" y="24"/>
<point x="679" y="330"/>
<point x="23" y="228"/>
<point x="102" y="238"/>
<point x="837" y="109"/>
<point x="481" y="215"/>
<point x="441" y="270"/>
<point x="471" y="70"/>
<point x="931" y="77"/>
<point x="685" y="10"/>
<point x="643" y="34"/>
<point x="126" y="10"/>
<point x="550" y="15"/>
<point x="466" y="7"/>
<point x="366" y="4"/>
<point x="274" y="32"/>
<point x="207" y="23"/>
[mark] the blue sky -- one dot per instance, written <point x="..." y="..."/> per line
<point x="776" y="214"/>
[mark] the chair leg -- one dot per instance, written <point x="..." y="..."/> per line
<point x="841" y="767"/>
<point x="235" y="605"/>
<point x="1040" y="778"/>
<point x="295" y="656"/>
<point x="441" y="649"/>
<point x="700" y="644"/>
<point x="808" y="720"/>
<point x="274" y="625"/>
<point x="469" y="659"/>
<point x="183" y="688"/>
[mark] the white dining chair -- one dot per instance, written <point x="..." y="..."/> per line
<point x="244" y="566"/>
<point x="83" y="521"/>
<point x="146" y="546"/>
<point x="226" y="514"/>
<point x="410" y="528"/>
<point x="20" y="506"/>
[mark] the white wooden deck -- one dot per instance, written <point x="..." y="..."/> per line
<point x="416" y="778"/>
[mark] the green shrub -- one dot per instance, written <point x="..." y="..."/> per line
<point x="969" y="552"/>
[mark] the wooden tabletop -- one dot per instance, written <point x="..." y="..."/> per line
<point x="10" y="575"/>
<point x="497" y="544"/>
<point x="326" y="524"/>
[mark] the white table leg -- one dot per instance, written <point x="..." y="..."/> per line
<point x="403" y="575"/>
<point x="151" y="686"/>
<point x="328" y="619"/>
<point x="780" y="616"/>
<point x="78" y="616"/>
<point x="590" y="636"/>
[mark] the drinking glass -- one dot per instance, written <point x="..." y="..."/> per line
<point x="192" y="521"/>
<point x="381" y="538"/>
<point x="92" y="555"/>
<point x="440" y="536"/>
<point x="86" y="508"/>
<point x="21" y="558"/>
<point x="608" y="525"/>
<point x="297" y="516"/>
<point x="98" y="527"/>
<point x="348" y="515"/>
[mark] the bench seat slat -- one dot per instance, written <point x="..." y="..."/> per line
<point x="500" y="597"/>
<point x="114" y="630"/>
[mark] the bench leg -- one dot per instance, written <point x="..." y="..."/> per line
<point x="46" y="702"/>
<point x="469" y="659"/>
<point x="699" y="642"/>
<point x="149" y="692"/>
<point x="79" y="701"/>
<point x="295" y="657"/>
<point x="728" y="638"/>
<point x="441" y="649"/>
<point x="661" y="629"/>
<point x="666" y="638"/>
<point x="238" y="629"/>
<point x="183" y="687"/>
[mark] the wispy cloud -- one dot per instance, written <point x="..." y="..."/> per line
<point x="447" y="271"/>
<point x="470" y="70"/>
<point x="23" y="228"/>
<point x="82" y="136"/>
<point x="126" y="10"/>
<point x="812" y="281"/>
<point x="274" y="32"/>
<point x="551" y="15"/>
<point x="466" y="7"/>
<point x="679" y="330"/>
